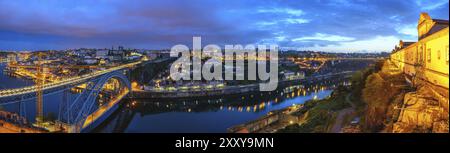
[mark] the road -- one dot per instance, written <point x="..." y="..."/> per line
<point x="100" y="111"/>
<point x="341" y="114"/>
<point x="236" y="87"/>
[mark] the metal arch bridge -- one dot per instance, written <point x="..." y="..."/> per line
<point x="14" y="95"/>
<point x="74" y="115"/>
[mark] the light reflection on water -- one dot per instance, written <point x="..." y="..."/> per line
<point x="203" y="115"/>
<point x="11" y="82"/>
<point x="183" y="115"/>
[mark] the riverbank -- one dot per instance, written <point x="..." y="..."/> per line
<point x="380" y="99"/>
<point x="14" y="123"/>
<point x="235" y="90"/>
<point x="332" y="114"/>
<point x="345" y="111"/>
<point x="207" y="114"/>
<point x="9" y="81"/>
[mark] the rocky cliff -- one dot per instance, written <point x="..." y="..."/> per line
<point x="393" y="105"/>
<point x="422" y="111"/>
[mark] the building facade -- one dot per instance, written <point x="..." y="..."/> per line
<point x="428" y="58"/>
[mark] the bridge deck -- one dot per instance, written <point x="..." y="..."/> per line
<point x="103" y="109"/>
<point x="74" y="80"/>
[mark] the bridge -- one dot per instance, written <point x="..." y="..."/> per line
<point x="102" y="91"/>
<point x="68" y="81"/>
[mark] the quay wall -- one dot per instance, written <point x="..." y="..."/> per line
<point x="233" y="90"/>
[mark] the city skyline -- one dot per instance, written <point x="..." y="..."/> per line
<point x="334" y="26"/>
<point x="280" y="66"/>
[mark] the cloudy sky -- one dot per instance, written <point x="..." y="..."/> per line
<point x="325" y="25"/>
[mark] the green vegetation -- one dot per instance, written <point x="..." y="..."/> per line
<point x="149" y="71"/>
<point x="358" y="81"/>
<point x="318" y="115"/>
<point x="319" y="122"/>
<point x="382" y="91"/>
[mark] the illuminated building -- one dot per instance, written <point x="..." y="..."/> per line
<point x="428" y="58"/>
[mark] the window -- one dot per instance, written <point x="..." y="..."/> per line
<point x="446" y="54"/>
<point x="429" y="55"/>
<point x="439" y="54"/>
<point x="420" y="55"/>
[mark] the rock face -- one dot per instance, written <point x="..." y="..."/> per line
<point x="396" y="106"/>
<point x="382" y="90"/>
<point x="421" y="112"/>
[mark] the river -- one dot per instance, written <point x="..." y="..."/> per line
<point x="203" y="115"/>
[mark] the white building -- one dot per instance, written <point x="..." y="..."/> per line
<point x="293" y="75"/>
<point x="81" y="52"/>
<point x="12" y="58"/>
<point x="90" y="61"/>
<point x="101" y="54"/>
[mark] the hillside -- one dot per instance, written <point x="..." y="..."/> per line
<point x="379" y="100"/>
<point x="393" y="105"/>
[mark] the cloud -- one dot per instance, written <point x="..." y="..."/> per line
<point x="269" y="25"/>
<point x="429" y="5"/>
<point x="324" y="37"/>
<point x="375" y="44"/>
<point x="265" y="23"/>
<point x="293" y="12"/>
<point x="297" y="21"/>
<point x="160" y="24"/>
<point x="410" y="30"/>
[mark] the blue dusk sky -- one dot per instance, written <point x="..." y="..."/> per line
<point x="320" y="25"/>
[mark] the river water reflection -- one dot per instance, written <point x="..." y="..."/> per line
<point x="203" y="115"/>
<point x="206" y="115"/>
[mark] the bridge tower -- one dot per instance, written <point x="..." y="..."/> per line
<point x="40" y="79"/>
<point x="22" y="108"/>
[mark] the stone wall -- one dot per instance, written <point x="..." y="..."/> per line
<point x="422" y="112"/>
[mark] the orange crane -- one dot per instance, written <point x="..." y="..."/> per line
<point x="40" y="81"/>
